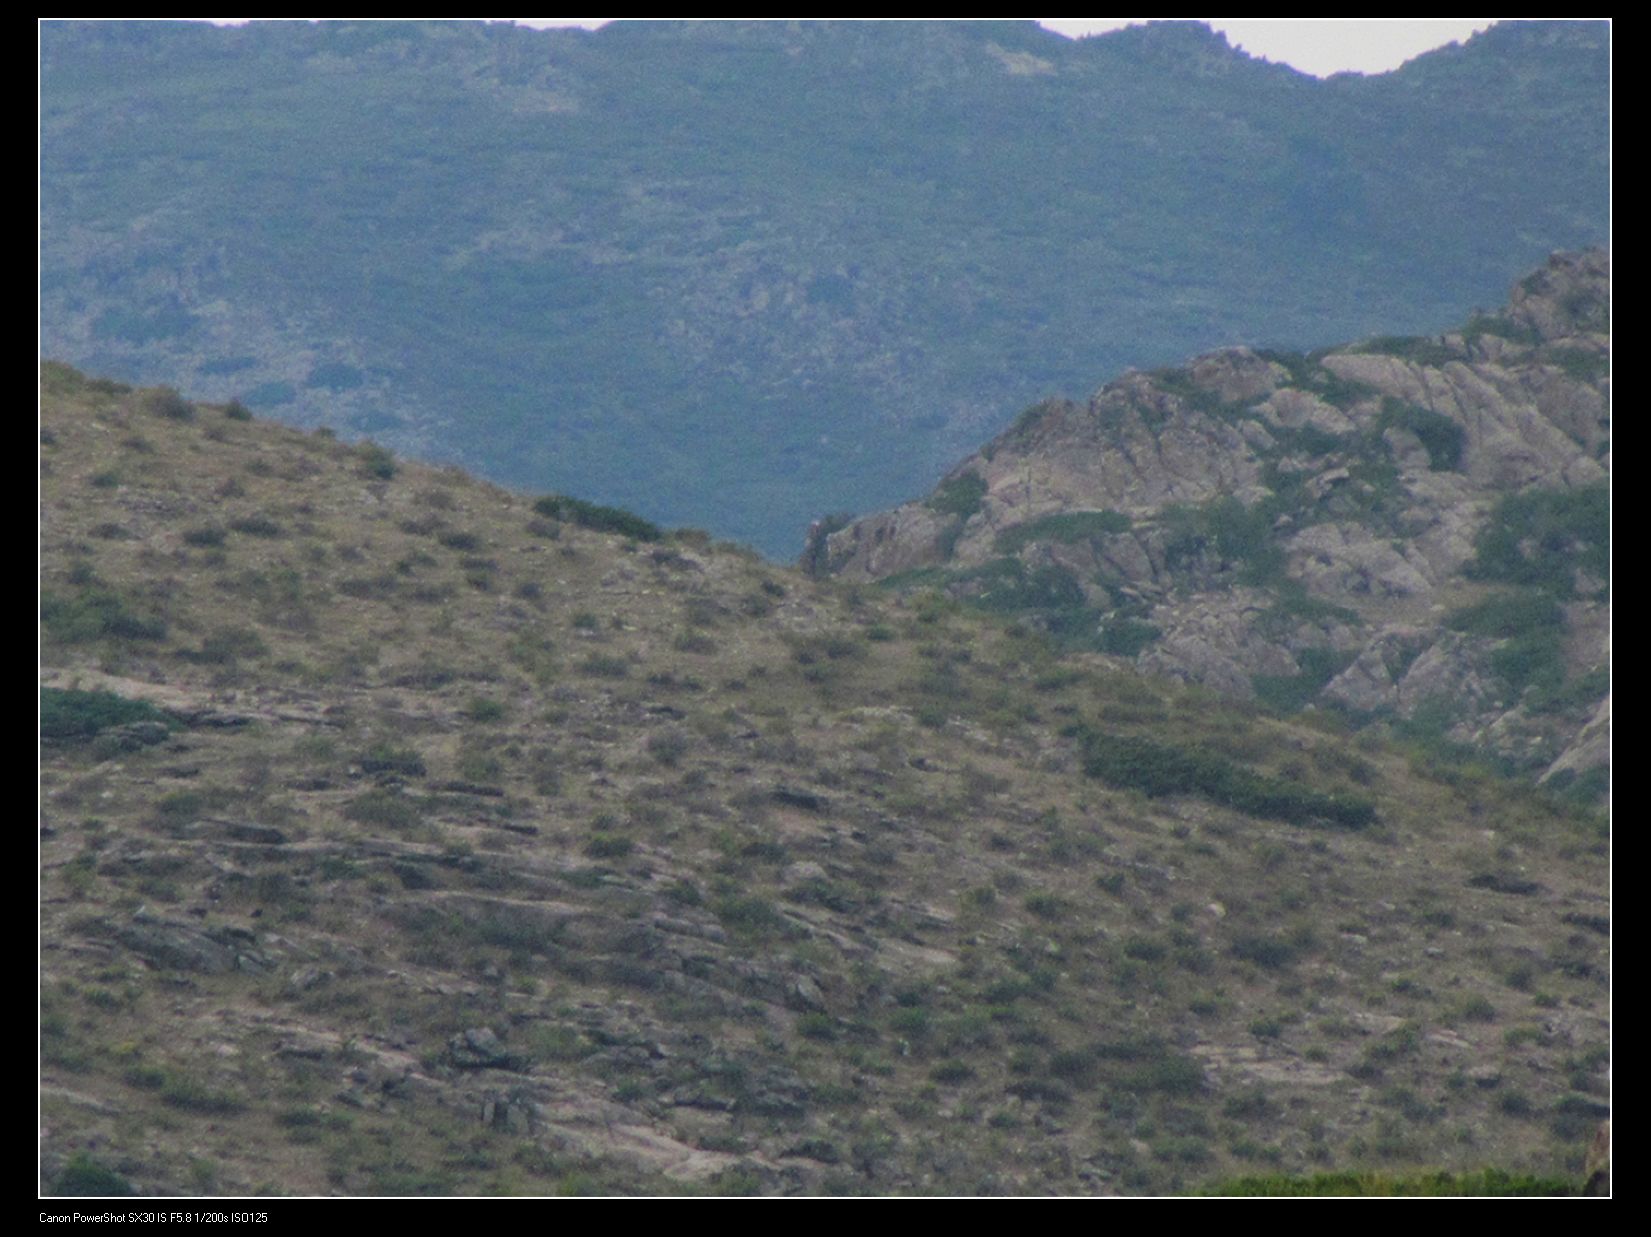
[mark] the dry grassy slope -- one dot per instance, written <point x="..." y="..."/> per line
<point x="742" y="882"/>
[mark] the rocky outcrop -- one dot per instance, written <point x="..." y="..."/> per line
<point x="1596" y="1168"/>
<point x="1317" y="529"/>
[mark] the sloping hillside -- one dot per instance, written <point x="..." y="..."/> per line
<point x="1412" y="531"/>
<point x="401" y="835"/>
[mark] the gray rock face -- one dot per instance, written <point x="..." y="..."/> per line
<point x="1256" y="516"/>
<point x="1596" y="1167"/>
<point x="171" y="945"/>
<point x="481" y="1048"/>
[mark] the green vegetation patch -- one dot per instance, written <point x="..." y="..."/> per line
<point x="1009" y="586"/>
<point x="85" y="1177"/>
<point x="96" y="612"/>
<point x="82" y="715"/>
<point x="1443" y="438"/>
<point x="1490" y="1182"/>
<point x="1421" y="349"/>
<point x="960" y="496"/>
<point x="1235" y="533"/>
<point x="1507" y="616"/>
<point x="1156" y="770"/>
<point x="598" y="518"/>
<point x="1068" y="528"/>
<point x="1286" y="693"/>
<point x="1539" y="539"/>
<point x="1532" y="627"/>
<point x="1501" y="326"/>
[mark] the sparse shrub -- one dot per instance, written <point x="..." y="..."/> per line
<point x="235" y="410"/>
<point x="96" y="613"/>
<point x="484" y="710"/>
<point x="668" y="747"/>
<point x="457" y="539"/>
<point x="684" y="892"/>
<point x="822" y="1027"/>
<point x="1266" y="949"/>
<point x="208" y="536"/>
<point x="376" y="463"/>
<point x="748" y="916"/>
<point x="383" y="807"/>
<point x="1250" y="1105"/>
<point x="609" y="846"/>
<point x="1047" y="906"/>
<point x="385" y="758"/>
<point x="166" y="402"/>
<point x="255" y="526"/>
<point x="694" y="642"/>
<point x="84" y="1176"/>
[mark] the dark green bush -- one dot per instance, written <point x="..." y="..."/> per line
<point x="1237" y="536"/>
<point x="383" y="758"/>
<point x="1490" y="1182"/>
<point x="165" y="402"/>
<point x="609" y="846"/>
<point x="1418" y="348"/>
<point x="383" y="807"/>
<point x="1067" y="528"/>
<point x="255" y="526"/>
<point x="1288" y="693"/>
<point x="1540" y="538"/>
<point x="227" y="645"/>
<point x="1127" y="637"/>
<point x="960" y="496"/>
<point x="598" y="518"/>
<point x="814" y="558"/>
<point x="377" y="463"/>
<point x="83" y="1177"/>
<point x="81" y="715"/>
<point x="1443" y="438"/>
<point x="1507" y="616"/>
<point x="97" y="612"/>
<point x="1156" y="770"/>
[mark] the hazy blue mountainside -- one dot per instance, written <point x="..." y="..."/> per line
<point x="737" y="275"/>
<point x="1413" y="531"/>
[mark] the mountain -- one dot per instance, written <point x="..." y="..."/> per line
<point x="1409" y="530"/>
<point x="404" y="835"/>
<point x="734" y="275"/>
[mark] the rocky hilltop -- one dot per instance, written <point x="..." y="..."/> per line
<point x="1411" y="530"/>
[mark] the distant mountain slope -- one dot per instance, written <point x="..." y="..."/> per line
<point x="734" y="275"/>
<point x="402" y="835"/>
<point x="1408" y="529"/>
